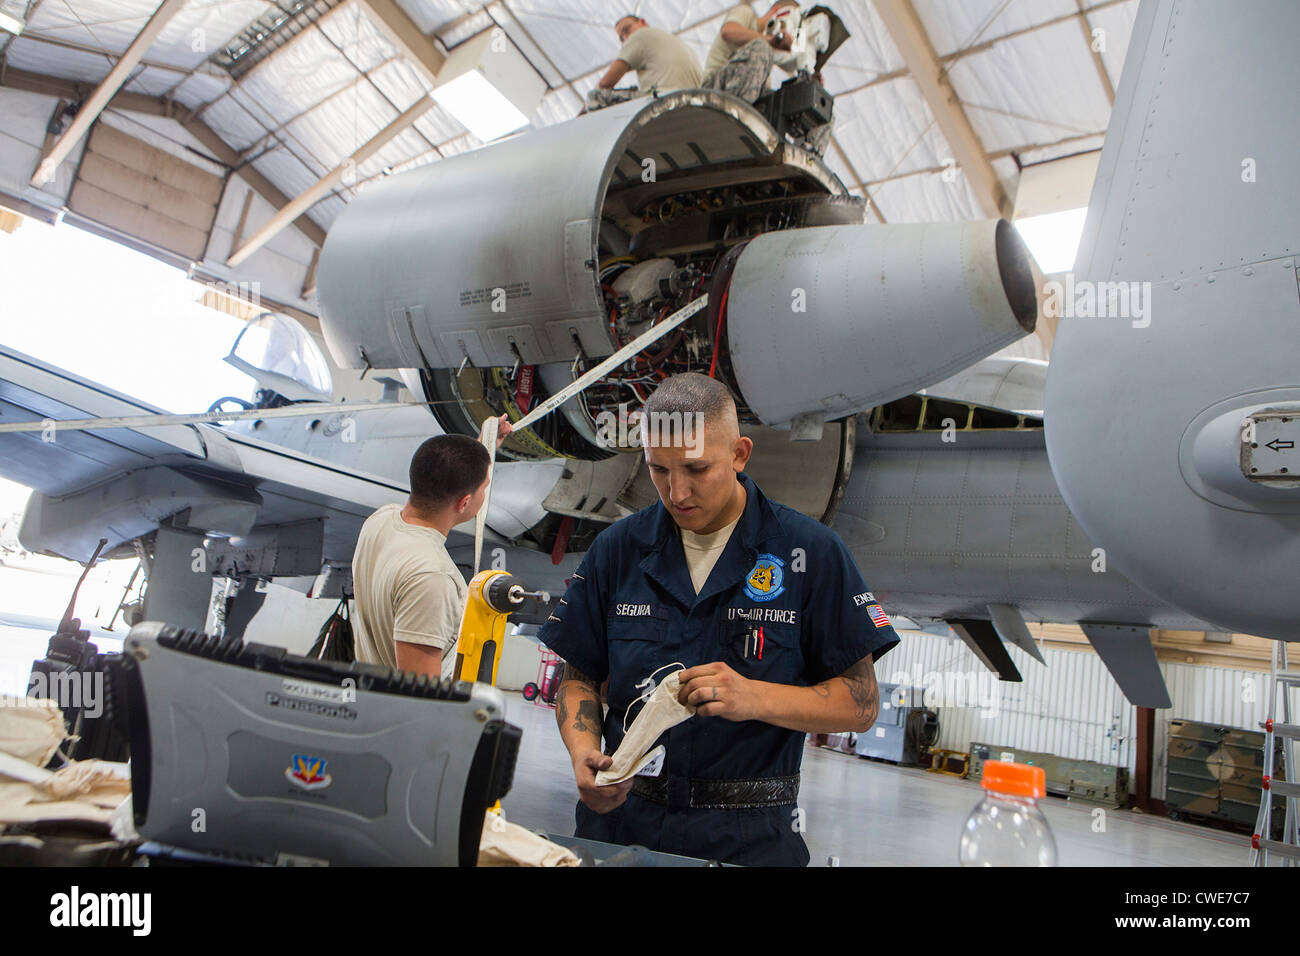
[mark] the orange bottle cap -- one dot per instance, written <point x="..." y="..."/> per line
<point x="1016" y="779"/>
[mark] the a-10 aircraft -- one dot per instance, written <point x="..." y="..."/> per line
<point x="1152" y="484"/>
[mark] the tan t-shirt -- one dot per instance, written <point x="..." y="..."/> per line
<point x="407" y="589"/>
<point x="662" y="61"/>
<point x="703" y="551"/>
<point x="721" y="50"/>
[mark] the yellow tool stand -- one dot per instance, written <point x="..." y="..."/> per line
<point x="492" y="598"/>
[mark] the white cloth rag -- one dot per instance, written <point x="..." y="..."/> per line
<point x="660" y="712"/>
<point x="509" y="844"/>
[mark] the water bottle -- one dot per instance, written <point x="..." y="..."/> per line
<point x="1007" y="828"/>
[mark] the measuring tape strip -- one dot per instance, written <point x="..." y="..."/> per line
<point x="637" y="345"/>
<point x="198" y="418"/>
<point x="488" y="434"/>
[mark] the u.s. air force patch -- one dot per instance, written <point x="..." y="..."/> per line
<point x="767" y="579"/>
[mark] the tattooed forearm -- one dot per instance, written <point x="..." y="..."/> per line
<point x="822" y="690"/>
<point x="579" y="697"/>
<point x="860" y="679"/>
<point x="588" y="719"/>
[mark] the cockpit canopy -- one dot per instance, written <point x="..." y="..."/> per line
<point x="280" y="355"/>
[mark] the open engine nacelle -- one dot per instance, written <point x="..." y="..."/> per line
<point x="497" y="275"/>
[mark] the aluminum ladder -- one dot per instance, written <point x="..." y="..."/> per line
<point x="1281" y="680"/>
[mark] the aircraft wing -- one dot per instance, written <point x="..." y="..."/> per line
<point x="123" y="482"/>
<point x="55" y="463"/>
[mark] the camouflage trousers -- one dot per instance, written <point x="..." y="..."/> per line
<point x="598" y="99"/>
<point x="745" y="76"/>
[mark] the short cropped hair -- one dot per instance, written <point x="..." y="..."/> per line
<point x="692" y="392"/>
<point x="685" y="398"/>
<point x="446" y="468"/>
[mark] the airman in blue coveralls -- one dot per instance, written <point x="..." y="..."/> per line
<point x="769" y="614"/>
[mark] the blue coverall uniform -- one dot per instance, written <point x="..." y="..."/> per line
<point x="631" y="608"/>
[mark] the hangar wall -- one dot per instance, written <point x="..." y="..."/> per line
<point x="281" y="267"/>
<point x="1072" y="707"/>
<point x="26" y="115"/>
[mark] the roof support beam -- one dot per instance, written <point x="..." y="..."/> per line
<point x="928" y="72"/>
<point x="117" y="76"/>
<point x="400" y="30"/>
<point x="948" y="59"/>
<point x="243" y="219"/>
<point x="1089" y="39"/>
<point x="203" y="69"/>
<point x="857" y="179"/>
<point x="50" y="138"/>
<point x="309" y="283"/>
<point x="288" y="45"/>
<point x="61" y="88"/>
<point x="156" y="106"/>
<point x="318" y="190"/>
<point x="249" y="174"/>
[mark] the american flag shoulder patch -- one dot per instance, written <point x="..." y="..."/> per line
<point x="878" y="615"/>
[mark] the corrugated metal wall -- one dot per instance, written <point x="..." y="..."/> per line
<point x="1071" y="708"/>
